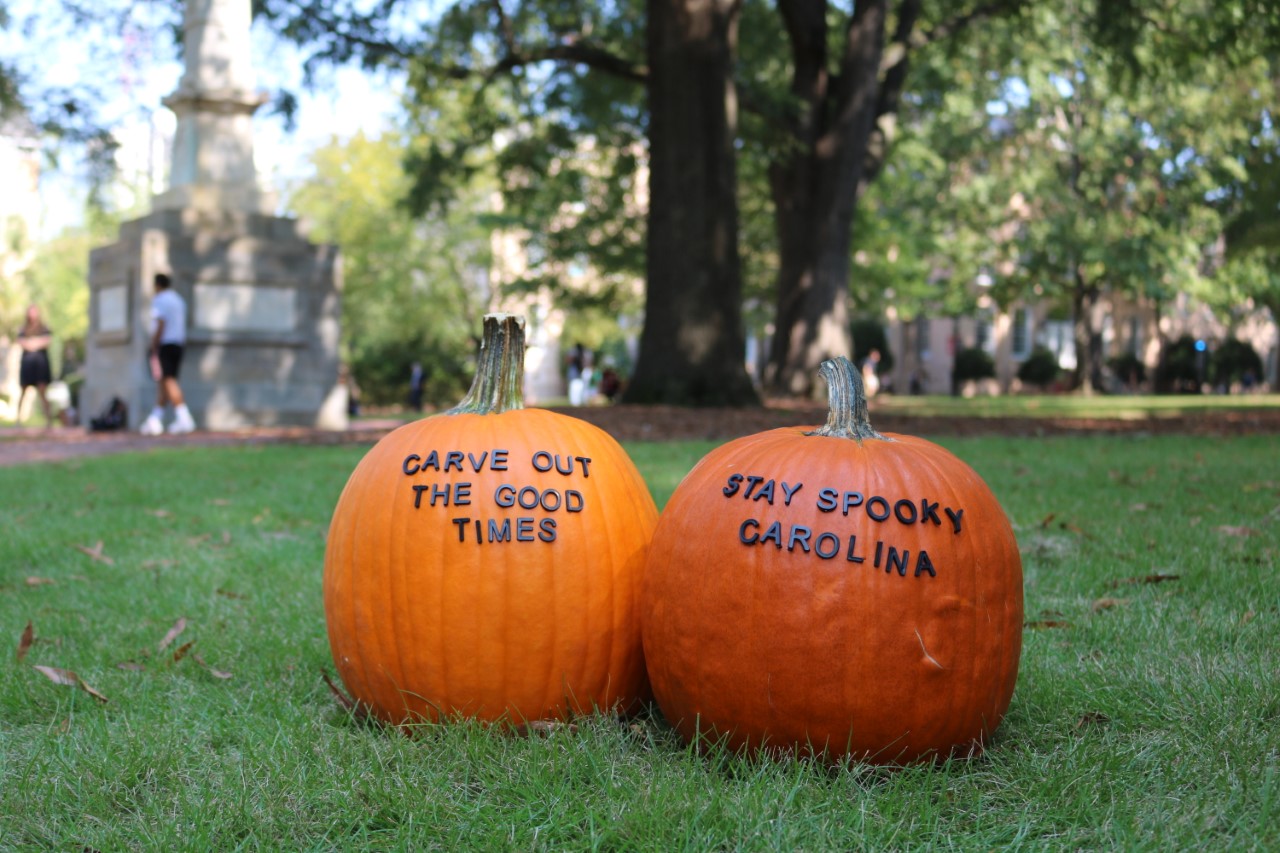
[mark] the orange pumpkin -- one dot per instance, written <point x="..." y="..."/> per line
<point x="486" y="562"/>
<point x="835" y="592"/>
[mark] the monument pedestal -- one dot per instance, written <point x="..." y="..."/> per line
<point x="263" y="319"/>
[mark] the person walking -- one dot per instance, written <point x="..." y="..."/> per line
<point x="34" y="371"/>
<point x="168" y="340"/>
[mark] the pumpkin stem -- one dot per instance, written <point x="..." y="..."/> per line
<point x="499" y="383"/>
<point x="848" y="416"/>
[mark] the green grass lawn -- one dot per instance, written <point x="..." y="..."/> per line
<point x="1122" y="406"/>
<point x="1147" y="713"/>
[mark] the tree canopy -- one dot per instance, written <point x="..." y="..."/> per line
<point x="783" y="163"/>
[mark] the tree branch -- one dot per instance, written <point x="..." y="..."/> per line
<point x="573" y="53"/>
<point x="897" y="59"/>
<point x="346" y="41"/>
<point x="505" y="27"/>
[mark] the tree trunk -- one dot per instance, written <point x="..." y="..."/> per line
<point x="816" y="185"/>
<point x="1088" y="340"/>
<point x="693" y="346"/>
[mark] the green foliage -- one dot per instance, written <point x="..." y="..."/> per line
<point x="1040" y="369"/>
<point x="1233" y="360"/>
<point x="413" y="288"/>
<point x="57" y="281"/>
<point x="1111" y="149"/>
<point x="1128" y="368"/>
<point x="973" y="363"/>
<point x="1181" y="367"/>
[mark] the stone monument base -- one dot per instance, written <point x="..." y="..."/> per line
<point x="263" y="319"/>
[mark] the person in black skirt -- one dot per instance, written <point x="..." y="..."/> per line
<point x="34" y="371"/>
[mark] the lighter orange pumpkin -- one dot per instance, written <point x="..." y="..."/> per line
<point x="834" y="591"/>
<point x="515" y="596"/>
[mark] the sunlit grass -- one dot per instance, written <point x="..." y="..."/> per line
<point x="1149" y="721"/>
<point x="1074" y="406"/>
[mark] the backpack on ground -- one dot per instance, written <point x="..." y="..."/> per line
<point x="114" y="417"/>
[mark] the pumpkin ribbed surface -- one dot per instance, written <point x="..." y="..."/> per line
<point x="834" y="596"/>
<point x="515" y="596"/>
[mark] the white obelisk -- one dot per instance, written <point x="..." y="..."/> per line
<point x="212" y="164"/>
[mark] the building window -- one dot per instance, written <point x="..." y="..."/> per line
<point x="1021" y="333"/>
<point x="1135" y="335"/>
<point x="1058" y="336"/>
<point x="983" y="338"/>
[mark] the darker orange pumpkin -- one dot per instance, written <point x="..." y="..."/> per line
<point x="835" y="592"/>
<point x="498" y="578"/>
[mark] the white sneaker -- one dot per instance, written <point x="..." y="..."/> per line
<point x="151" y="426"/>
<point x="182" y="425"/>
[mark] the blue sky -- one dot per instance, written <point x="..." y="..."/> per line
<point x="136" y="71"/>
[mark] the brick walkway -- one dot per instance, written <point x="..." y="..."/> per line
<point x="19" y="445"/>
<point x="646" y="423"/>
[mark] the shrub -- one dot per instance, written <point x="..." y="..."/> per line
<point x="1128" y="366"/>
<point x="973" y="363"/>
<point x="381" y="369"/>
<point x="1040" y="368"/>
<point x="1231" y="360"/>
<point x="1178" y="370"/>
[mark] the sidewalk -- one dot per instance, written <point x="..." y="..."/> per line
<point x="21" y="445"/>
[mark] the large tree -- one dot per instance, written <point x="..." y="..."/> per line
<point x="1126" y="165"/>
<point x="848" y="75"/>
<point x="692" y="346"/>
<point x="548" y="81"/>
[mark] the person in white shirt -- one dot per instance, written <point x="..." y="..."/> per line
<point x="168" y="339"/>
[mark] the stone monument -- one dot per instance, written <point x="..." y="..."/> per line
<point x="263" y="302"/>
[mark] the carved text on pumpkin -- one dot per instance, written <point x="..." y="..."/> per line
<point x="828" y="546"/>
<point x="508" y="496"/>
<point x="877" y="507"/>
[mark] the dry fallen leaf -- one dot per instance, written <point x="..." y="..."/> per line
<point x="58" y="676"/>
<point x="1044" y="522"/>
<point x="1092" y="718"/>
<point x="159" y="513"/>
<point x="178" y="628"/>
<point x="68" y="678"/>
<point x="1158" y="577"/>
<point x="1073" y="528"/>
<point x="1041" y="624"/>
<point x="1233" y="530"/>
<point x="220" y="502"/>
<point x="216" y="673"/>
<point x="1108" y="603"/>
<point x="130" y="666"/>
<point x="34" y="581"/>
<point x="24" y="643"/>
<point x="181" y="651"/>
<point x="1247" y="617"/>
<point x="230" y="594"/>
<point x="96" y="553"/>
